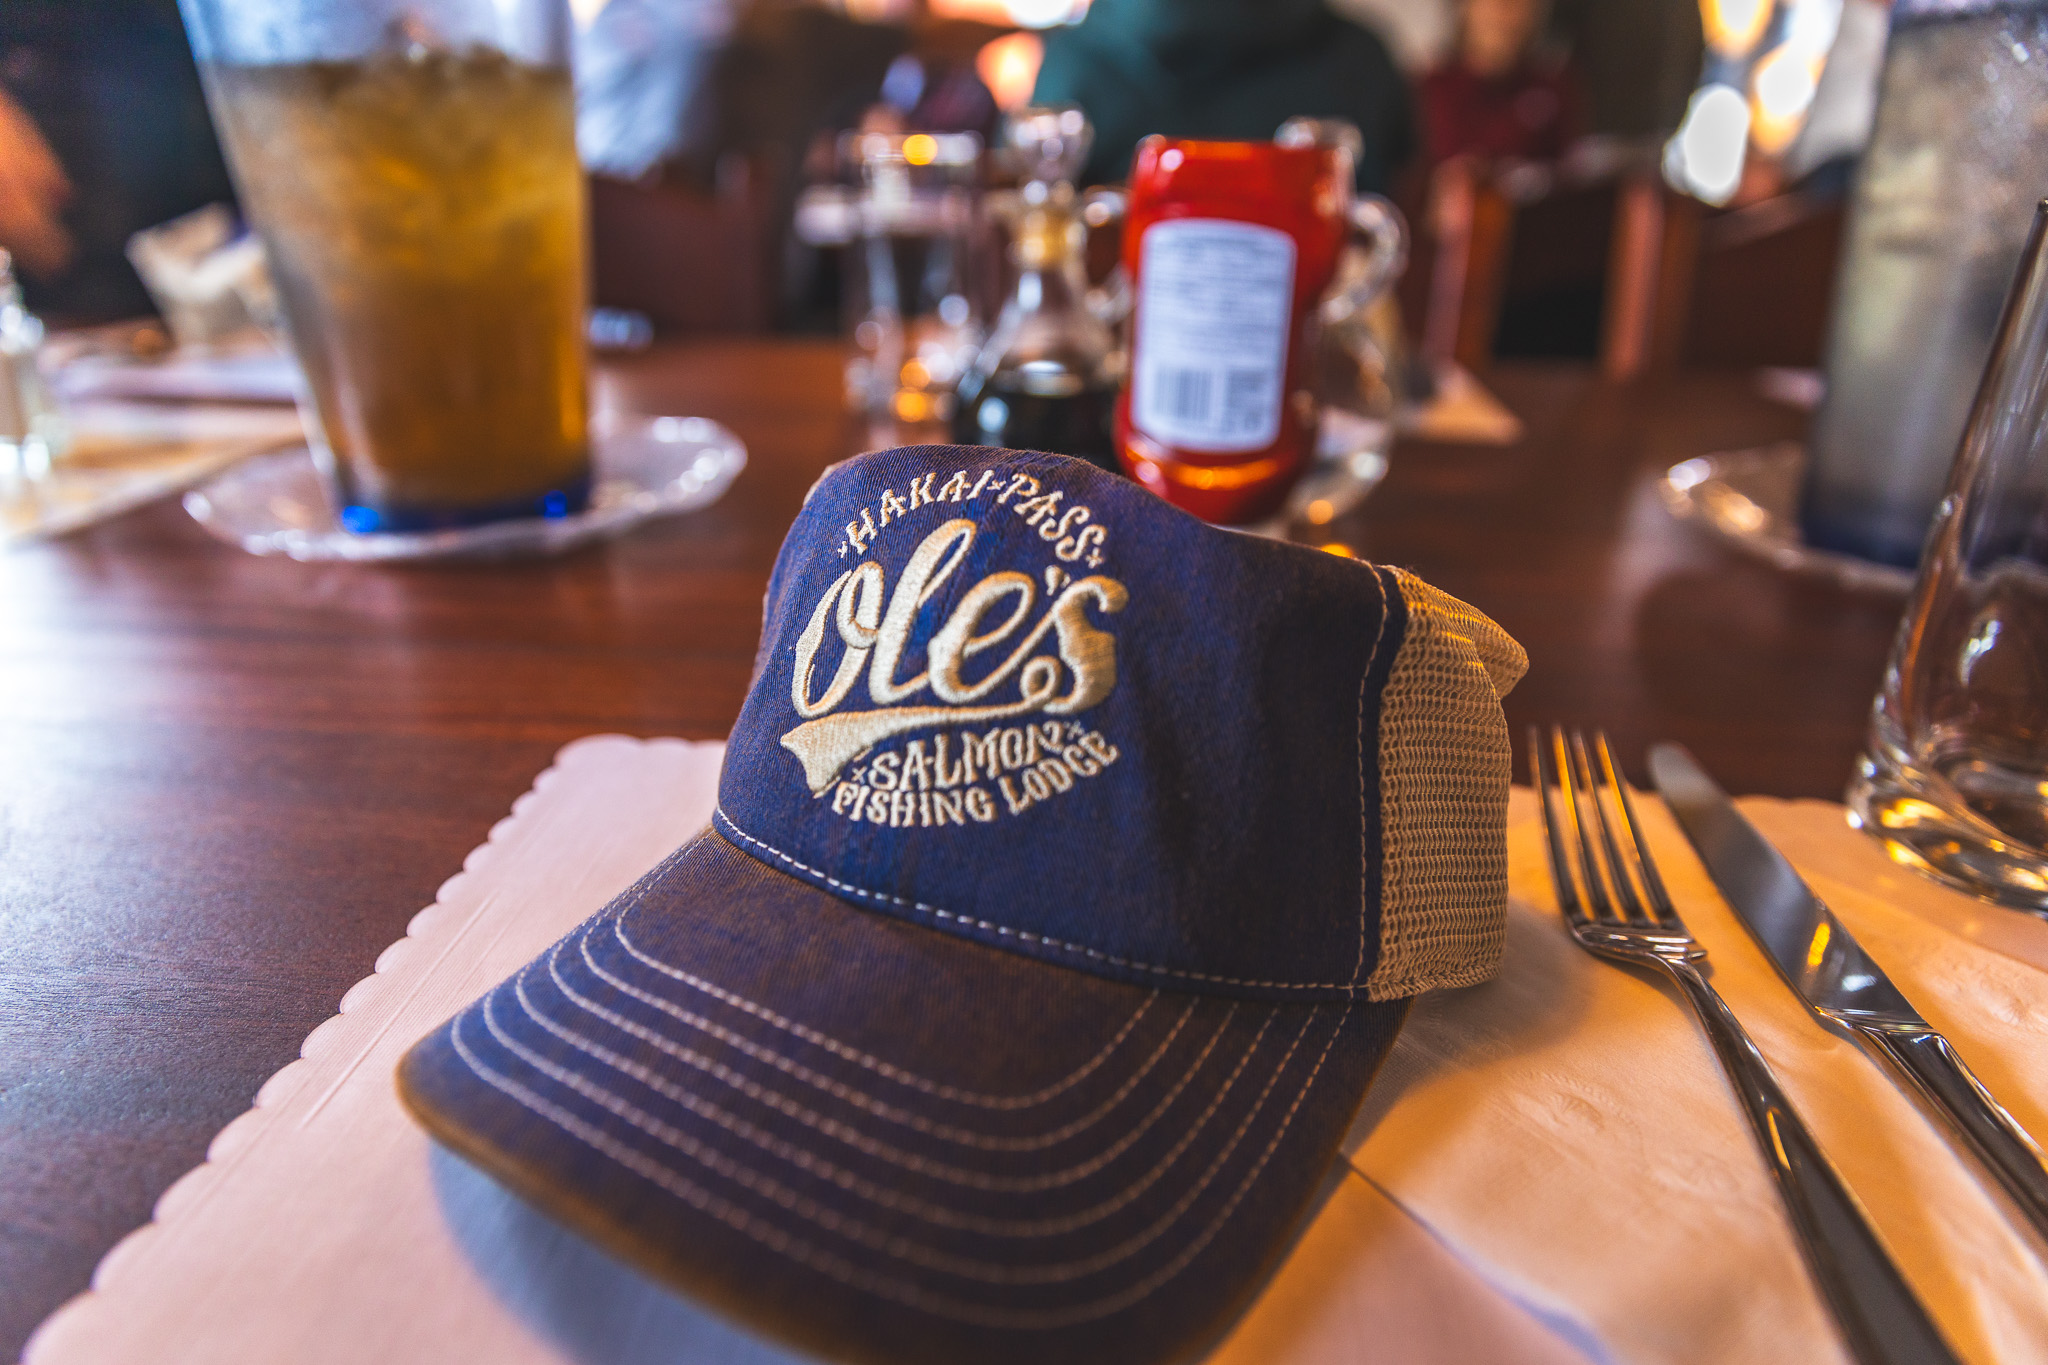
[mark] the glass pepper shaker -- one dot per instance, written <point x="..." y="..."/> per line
<point x="1048" y="376"/>
<point x="31" y="429"/>
<point x="915" y="327"/>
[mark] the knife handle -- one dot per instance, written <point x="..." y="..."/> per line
<point x="1926" y="1059"/>
<point x="1881" y="1319"/>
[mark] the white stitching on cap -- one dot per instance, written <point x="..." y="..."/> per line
<point x="889" y="1113"/>
<point x="1024" y="936"/>
<point x="883" y="1151"/>
<point x="853" y="1229"/>
<point x="850" y="1053"/>
<point x="782" y="1061"/>
<point x="1364" y="680"/>
<point x="840" y="1269"/>
<point x="859" y="1185"/>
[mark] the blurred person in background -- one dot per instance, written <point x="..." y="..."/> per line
<point x="796" y="73"/>
<point x="1500" y="113"/>
<point x="933" y="91"/>
<point x="33" y="192"/>
<point x="1225" y="69"/>
<point x="1418" y="32"/>
<point x="103" y="132"/>
<point x="643" y="82"/>
<point x="1638" y="60"/>
<point x="1504" y="94"/>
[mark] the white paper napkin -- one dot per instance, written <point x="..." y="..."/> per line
<point x="1568" y="1131"/>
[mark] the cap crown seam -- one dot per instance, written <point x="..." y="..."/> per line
<point x="1444" y="776"/>
<point x="1023" y="935"/>
<point x="1365" y="801"/>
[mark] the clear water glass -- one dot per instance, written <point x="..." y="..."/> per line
<point x="1955" y="779"/>
<point x="1942" y="198"/>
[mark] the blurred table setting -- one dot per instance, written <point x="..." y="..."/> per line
<point x="513" y="446"/>
<point x="140" y="420"/>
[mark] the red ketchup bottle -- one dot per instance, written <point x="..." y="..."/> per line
<point x="1230" y="247"/>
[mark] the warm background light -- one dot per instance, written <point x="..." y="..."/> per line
<point x="1008" y="66"/>
<point x="1022" y="13"/>
<point x="1734" y="26"/>
<point x="1706" y="156"/>
<point x="1765" y="59"/>
<point x="1781" y="92"/>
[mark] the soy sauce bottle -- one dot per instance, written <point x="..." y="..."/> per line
<point x="1048" y="376"/>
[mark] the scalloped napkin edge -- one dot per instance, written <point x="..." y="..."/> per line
<point x="324" y="1226"/>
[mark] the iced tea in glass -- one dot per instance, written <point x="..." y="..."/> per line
<point x="412" y="171"/>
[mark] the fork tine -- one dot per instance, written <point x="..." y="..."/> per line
<point x="1576" y="789"/>
<point x="1617" y="868"/>
<point x="1546" y="778"/>
<point x="1662" y="911"/>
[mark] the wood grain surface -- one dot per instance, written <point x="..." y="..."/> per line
<point x="227" y="782"/>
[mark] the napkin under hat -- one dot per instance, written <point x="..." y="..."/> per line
<point x="1073" y="864"/>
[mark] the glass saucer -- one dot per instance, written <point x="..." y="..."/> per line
<point x="1750" y="498"/>
<point x="645" y="467"/>
<point x="1351" y="459"/>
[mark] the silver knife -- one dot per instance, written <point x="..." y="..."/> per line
<point x="1837" y="979"/>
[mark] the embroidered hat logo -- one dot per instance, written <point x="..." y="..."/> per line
<point x="875" y="639"/>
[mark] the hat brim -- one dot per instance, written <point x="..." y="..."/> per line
<point x="881" y="1142"/>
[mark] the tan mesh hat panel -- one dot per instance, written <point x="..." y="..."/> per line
<point x="1444" y="774"/>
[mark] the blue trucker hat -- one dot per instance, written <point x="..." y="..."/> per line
<point x="1073" y="864"/>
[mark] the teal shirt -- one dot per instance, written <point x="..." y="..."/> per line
<point x="1227" y="69"/>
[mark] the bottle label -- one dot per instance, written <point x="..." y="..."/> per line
<point x="1214" y="299"/>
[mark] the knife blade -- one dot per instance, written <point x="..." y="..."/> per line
<point x="1840" y="982"/>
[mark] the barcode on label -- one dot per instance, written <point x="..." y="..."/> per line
<point x="1190" y="396"/>
<point x="1185" y="393"/>
<point x="1245" y="400"/>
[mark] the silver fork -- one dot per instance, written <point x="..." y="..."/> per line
<point x="1615" y="904"/>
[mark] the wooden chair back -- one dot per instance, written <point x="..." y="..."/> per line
<point x="1743" y="287"/>
<point x="1678" y="283"/>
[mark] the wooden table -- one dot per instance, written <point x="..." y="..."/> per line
<point x="227" y="782"/>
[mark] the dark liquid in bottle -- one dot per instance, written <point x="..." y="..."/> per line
<point x="1081" y="423"/>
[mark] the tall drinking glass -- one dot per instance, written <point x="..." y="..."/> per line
<point x="411" y="168"/>
<point x="1956" y="776"/>
<point x="1939" y="212"/>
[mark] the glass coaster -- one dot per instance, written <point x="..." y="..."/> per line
<point x="1351" y="459"/>
<point x="1750" y="498"/>
<point x="645" y="467"/>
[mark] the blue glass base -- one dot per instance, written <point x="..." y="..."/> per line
<point x="1866" y="528"/>
<point x="643" y="467"/>
<point x="363" y="519"/>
